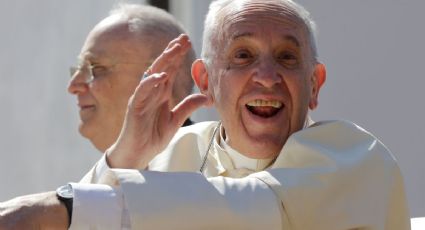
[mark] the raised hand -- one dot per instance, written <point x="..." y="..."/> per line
<point x="150" y="121"/>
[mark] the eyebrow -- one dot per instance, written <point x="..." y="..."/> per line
<point x="289" y="38"/>
<point x="242" y="35"/>
<point x="292" y="39"/>
<point x="90" y="58"/>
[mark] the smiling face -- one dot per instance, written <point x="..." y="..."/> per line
<point x="263" y="78"/>
<point x="117" y="61"/>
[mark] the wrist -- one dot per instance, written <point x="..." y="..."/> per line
<point x="53" y="214"/>
<point x="65" y="195"/>
<point x="117" y="157"/>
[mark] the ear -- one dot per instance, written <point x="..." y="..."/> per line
<point x="200" y="77"/>
<point x="317" y="80"/>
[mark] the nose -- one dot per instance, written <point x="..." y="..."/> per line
<point x="267" y="74"/>
<point x="77" y="84"/>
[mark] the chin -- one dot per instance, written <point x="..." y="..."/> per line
<point x="85" y="130"/>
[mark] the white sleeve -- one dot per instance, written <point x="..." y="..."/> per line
<point x="98" y="206"/>
<point x="158" y="200"/>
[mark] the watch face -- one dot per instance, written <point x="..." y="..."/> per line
<point x="65" y="191"/>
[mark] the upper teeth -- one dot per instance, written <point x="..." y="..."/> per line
<point x="259" y="102"/>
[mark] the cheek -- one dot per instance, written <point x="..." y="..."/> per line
<point x="103" y="92"/>
<point x="216" y="86"/>
<point x="299" y="92"/>
<point x="97" y="89"/>
<point x="300" y="104"/>
<point x="229" y="85"/>
<point x="228" y="88"/>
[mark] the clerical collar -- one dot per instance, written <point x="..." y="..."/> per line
<point x="240" y="161"/>
<point x="227" y="160"/>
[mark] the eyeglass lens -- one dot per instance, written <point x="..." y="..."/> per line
<point x="87" y="71"/>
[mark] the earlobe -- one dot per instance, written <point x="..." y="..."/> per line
<point x="200" y="75"/>
<point x="318" y="79"/>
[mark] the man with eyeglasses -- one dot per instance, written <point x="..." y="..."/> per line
<point x="111" y="63"/>
<point x="265" y="165"/>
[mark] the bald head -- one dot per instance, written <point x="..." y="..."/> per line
<point x="223" y="11"/>
<point x="114" y="57"/>
<point x="156" y="28"/>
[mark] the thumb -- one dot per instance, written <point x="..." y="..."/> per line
<point x="186" y="107"/>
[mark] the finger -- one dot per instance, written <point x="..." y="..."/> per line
<point x="173" y="62"/>
<point x="181" y="39"/>
<point x="185" y="108"/>
<point x="174" y="51"/>
<point x="150" y="82"/>
<point x="170" y="57"/>
<point x="150" y="91"/>
<point x="176" y="57"/>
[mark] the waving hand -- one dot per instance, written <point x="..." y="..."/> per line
<point x="150" y="122"/>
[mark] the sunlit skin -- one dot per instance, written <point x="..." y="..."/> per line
<point x="119" y="61"/>
<point x="263" y="79"/>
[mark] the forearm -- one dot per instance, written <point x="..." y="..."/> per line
<point x="36" y="211"/>
<point x="57" y="215"/>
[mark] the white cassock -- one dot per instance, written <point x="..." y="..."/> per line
<point x="332" y="176"/>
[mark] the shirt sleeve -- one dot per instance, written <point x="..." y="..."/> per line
<point x="161" y="200"/>
<point x="98" y="206"/>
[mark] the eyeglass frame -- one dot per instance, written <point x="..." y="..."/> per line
<point x="91" y="76"/>
<point x="74" y="69"/>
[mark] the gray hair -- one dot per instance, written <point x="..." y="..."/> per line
<point x="213" y="26"/>
<point x="162" y="27"/>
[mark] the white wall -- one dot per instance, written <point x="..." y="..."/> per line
<point x="374" y="54"/>
<point x="40" y="145"/>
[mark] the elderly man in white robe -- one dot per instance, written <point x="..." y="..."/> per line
<point x="265" y="165"/>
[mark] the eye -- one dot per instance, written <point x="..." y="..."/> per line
<point x="289" y="60"/>
<point x="98" y="70"/>
<point x="242" y="57"/>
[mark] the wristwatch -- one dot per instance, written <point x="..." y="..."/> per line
<point x="65" y="195"/>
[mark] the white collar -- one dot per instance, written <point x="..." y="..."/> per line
<point x="228" y="159"/>
<point x="239" y="160"/>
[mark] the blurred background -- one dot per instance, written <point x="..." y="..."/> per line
<point x="374" y="53"/>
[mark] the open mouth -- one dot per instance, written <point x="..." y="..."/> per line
<point x="264" y="108"/>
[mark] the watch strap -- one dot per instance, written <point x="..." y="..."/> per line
<point x="66" y="200"/>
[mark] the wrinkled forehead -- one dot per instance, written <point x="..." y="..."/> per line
<point x="242" y="13"/>
<point x="246" y="9"/>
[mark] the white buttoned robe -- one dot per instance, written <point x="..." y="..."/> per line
<point x="332" y="175"/>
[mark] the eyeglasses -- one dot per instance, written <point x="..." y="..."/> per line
<point x="87" y="70"/>
<point x="92" y="72"/>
